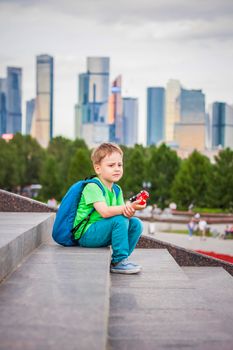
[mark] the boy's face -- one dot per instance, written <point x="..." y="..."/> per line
<point x="110" y="168"/>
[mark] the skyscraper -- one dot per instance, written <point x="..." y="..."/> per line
<point x="14" y="100"/>
<point x="92" y="107"/>
<point x="190" y="131"/>
<point x="221" y="123"/>
<point x="192" y="106"/>
<point x="98" y="72"/>
<point x="3" y="110"/>
<point x="130" y="120"/>
<point x="42" y="123"/>
<point x="172" y="108"/>
<point x="30" y="108"/>
<point x="116" y="112"/>
<point x="155" y="114"/>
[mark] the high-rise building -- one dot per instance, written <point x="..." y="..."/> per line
<point x="172" y="108"/>
<point x="93" y="100"/>
<point x="42" y="122"/>
<point x="155" y="114"/>
<point x="190" y="131"/>
<point x="98" y="72"/>
<point x="192" y="106"/>
<point x="116" y="112"/>
<point x="14" y="100"/>
<point x="30" y="108"/>
<point x="3" y="108"/>
<point x="95" y="133"/>
<point x="221" y="124"/>
<point x="130" y="120"/>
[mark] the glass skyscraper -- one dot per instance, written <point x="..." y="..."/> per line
<point x="116" y="112"/>
<point x="14" y="100"/>
<point x="30" y="108"/>
<point x="3" y="110"/>
<point x="172" y="108"/>
<point x="221" y="123"/>
<point x="93" y="98"/>
<point x="98" y="71"/>
<point x="42" y="123"/>
<point x="190" y="131"/>
<point x="192" y="106"/>
<point x="130" y="120"/>
<point x="155" y="114"/>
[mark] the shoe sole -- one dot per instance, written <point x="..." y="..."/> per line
<point x="125" y="272"/>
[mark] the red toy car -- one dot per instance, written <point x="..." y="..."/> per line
<point x="142" y="196"/>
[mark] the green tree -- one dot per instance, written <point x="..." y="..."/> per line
<point x="220" y="190"/>
<point x="61" y="149"/>
<point x="30" y="156"/>
<point x="162" y="167"/>
<point x="9" y="177"/>
<point x="50" y="179"/>
<point x="191" y="182"/>
<point x="80" y="167"/>
<point x="134" y="169"/>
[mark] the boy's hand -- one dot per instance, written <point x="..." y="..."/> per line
<point x="138" y="206"/>
<point x="128" y="210"/>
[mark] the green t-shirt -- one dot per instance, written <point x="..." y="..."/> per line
<point x="92" y="193"/>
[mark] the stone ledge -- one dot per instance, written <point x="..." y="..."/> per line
<point x="184" y="257"/>
<point x="20" y="236"/>
<point x="11" y="202"/>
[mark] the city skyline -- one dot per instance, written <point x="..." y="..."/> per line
<point x="148" y="44"/>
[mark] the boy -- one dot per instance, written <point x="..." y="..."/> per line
<point x="112" y="221"/>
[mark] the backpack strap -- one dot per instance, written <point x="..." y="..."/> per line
<point x="116" y="189"/>
<point x="95" y="181"/>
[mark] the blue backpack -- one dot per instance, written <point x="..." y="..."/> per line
<point x="63" y="230"/>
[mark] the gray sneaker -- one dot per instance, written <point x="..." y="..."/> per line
<point x="125" y="267"/>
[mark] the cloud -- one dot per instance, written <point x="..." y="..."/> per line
<point x="161" y="19"/>
<point x="127" y="11"/>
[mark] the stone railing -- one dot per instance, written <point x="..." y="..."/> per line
<point x="184" y="257"/>
<point x="11" y="202"/>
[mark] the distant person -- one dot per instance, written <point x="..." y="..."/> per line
<point x="191" y="227"/>
<point x="228" y="231"/>
<point x="197" y="216"/>
<point x="202" y="225"/>
<point x="52" y="203"/>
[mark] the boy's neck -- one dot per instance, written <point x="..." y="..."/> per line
<point x="106" y="183"/>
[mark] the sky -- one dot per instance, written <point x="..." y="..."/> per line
<point x="148" y="42"/>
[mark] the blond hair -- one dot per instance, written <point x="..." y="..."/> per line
<point x="103" y="150"/>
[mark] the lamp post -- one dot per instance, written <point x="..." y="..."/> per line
<point x="146" y="185"/>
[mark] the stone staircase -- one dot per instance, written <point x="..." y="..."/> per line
<point x="53" y="297"/>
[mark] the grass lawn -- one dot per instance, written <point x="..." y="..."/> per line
<point x="196" y="233"/>
<point x="176" y="231"/>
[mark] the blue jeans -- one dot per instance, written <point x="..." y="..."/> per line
<point x="120" y="232"/>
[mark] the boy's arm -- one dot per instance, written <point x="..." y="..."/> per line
<point x="106" y="211"/>
<point x="127" y="210"/>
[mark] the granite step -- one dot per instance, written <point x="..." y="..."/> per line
<point x="20" y="234"/>
<point x="215" y="286"/>
<point x="161" y="308"/>
<point x="57" y="299"/>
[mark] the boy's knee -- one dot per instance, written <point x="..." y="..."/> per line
<point x="120" y="219"/>
<point x="136" y="224"/>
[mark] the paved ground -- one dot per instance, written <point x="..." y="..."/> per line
<point x="57" y="299"/>
<point x="161" y="308"/>
<point x="210" y="244"/>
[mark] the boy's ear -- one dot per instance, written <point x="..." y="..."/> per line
<point x="97" y="168"/>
